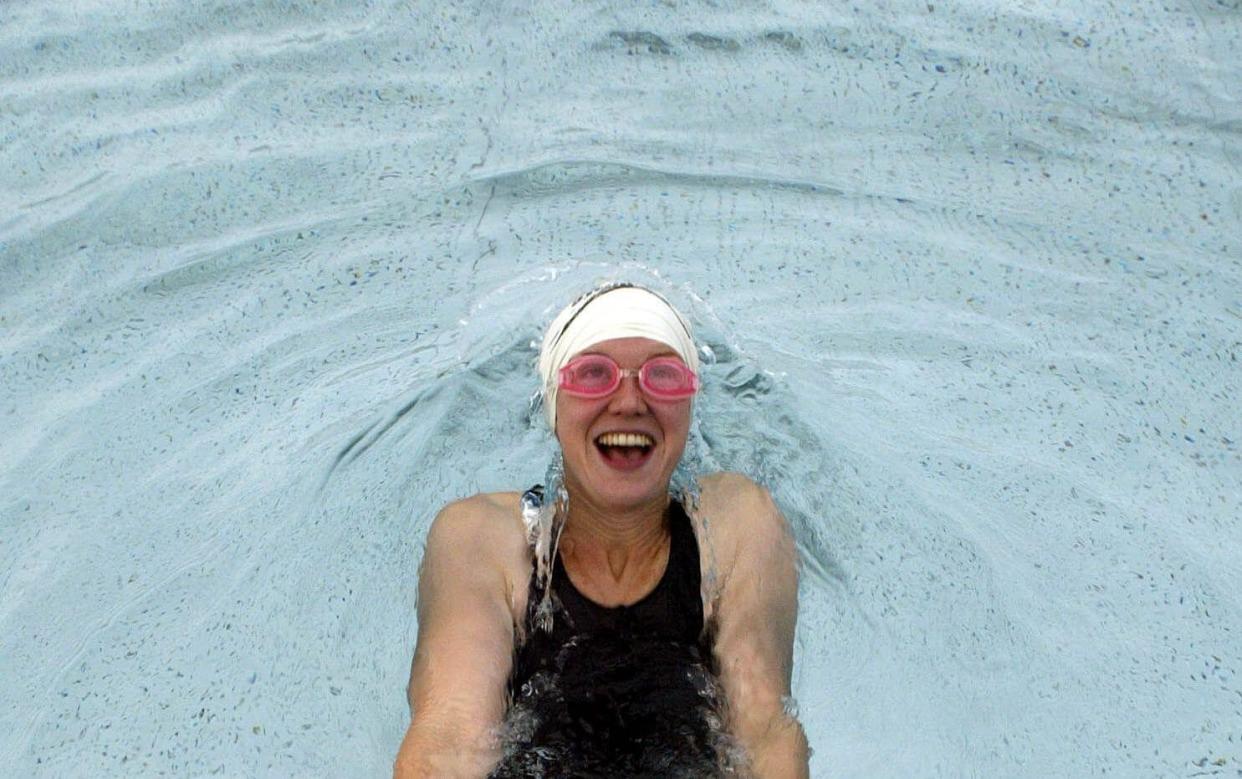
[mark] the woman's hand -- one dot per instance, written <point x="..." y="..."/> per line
<point x="461" y="665"/>
<point x="755" y="617"/>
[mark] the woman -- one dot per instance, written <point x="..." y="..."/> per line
<point x="617" y="659"/>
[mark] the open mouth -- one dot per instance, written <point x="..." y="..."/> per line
<point x="625" y="450"/>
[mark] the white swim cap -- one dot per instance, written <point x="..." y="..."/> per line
<point x="612" y="311"/>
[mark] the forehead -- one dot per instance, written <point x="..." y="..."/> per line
<point x="630" y="349"/>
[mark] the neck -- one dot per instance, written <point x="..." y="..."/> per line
<point x="621" y="541"/>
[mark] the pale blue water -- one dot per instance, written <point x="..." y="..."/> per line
<point x="270" y="274"/>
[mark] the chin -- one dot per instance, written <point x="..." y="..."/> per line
<point x="620" y="491"/>
<point x="632" y="497"/>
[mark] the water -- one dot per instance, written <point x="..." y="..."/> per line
<point x="270" y="274"/>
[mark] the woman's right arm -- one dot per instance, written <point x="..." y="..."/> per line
<point x="464" y="654"/>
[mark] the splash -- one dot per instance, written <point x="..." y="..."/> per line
<point x="544" y="519"/>
<point x="684" y="487"/>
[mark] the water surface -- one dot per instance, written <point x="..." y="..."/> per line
<point x="270" y="276"/>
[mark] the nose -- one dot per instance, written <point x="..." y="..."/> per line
<point x="629" y="397"/>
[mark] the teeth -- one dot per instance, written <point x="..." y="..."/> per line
<point x="625" y="439"/>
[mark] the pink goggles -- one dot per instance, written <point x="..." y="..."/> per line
<point x="597" y="376"/>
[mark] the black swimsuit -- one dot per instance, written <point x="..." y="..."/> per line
<point x="617" y="692"/>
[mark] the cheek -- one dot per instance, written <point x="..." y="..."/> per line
<point x="573" y="415"/>
<point x="676" y="421"/>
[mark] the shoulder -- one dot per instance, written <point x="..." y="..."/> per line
<point x="481" y="537"/>
<point x="480" y="520"/>
<point x="747" y="535"/>
<point x="734" y="505"/>
<point x="726" y="487"/>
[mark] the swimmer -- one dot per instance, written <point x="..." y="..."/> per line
<point x="640" y="663"/>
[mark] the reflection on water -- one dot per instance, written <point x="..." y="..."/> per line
<point x="270" y="275"/>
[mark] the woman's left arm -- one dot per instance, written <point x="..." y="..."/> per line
<point x="756" y="615"/>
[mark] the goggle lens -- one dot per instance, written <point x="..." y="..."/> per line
<point x="596" y="375"/>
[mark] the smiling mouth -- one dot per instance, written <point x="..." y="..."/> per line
<point x="625" y="450"/>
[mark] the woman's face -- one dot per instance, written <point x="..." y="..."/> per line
<point x="597" y="435"/>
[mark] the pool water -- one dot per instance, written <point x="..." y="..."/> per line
<point x="271" y="276"/>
